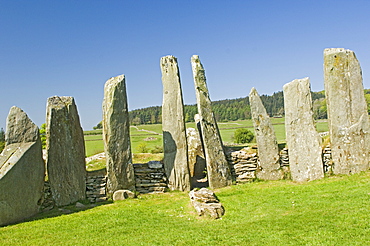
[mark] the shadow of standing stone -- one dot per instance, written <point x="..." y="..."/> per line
<point x="65" y="151"/>
<point x="22" y="169"/>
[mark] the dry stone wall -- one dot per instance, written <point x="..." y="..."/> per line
<point x="150" y="177"/>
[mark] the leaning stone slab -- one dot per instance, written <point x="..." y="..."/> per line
<point x="173" y="126"/>
<point x="268" y="150"/>
<point x="65" y="151"/>
<point x="206" y="203"/>
<point x="347" y="112"/>
<point x="302" y="138"/>
<point x="22" y="169"/>
<point x="218" y="170"/>
<point x="116" y="136"/>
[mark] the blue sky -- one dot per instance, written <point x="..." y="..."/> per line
<point x="70" y="48"/>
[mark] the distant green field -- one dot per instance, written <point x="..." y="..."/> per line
<point x="152" y="139"/>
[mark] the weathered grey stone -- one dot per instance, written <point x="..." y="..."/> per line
<point x="120" y="195"/>
<point x="347" y="112"/>
<point x="218" y="170"/>
<point x="173" y="126"/>
<point x="155" y="164"/>
<point x="22" y="169"/>
<point x="268" y="150"/>
<point x="20" y="129"/>
<point x="195" y="152"/>
<point x="65" y="151"/>
<point x="302" y="138"/>
<point x="116" y="136"/>
<point x="206" y="203"/>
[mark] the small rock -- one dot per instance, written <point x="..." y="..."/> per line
<point x="123" y="194"/>
<point x="79" y="205"/>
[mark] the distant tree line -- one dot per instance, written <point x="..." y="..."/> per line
<point x="234" y="109"/>
<point x="2" y="139"/>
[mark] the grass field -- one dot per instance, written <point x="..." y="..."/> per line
<point x="331" y="211"/>
<point x="152" y="139"/>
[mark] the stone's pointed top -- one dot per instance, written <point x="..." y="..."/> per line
<point x="297" y="81"/>
<point x="19" y="128"/>
<point x="253" y="91"/>
<point x="336" y="50"/>
<point x="169" y="58"/>
<point x="115" y="80"/>
<point x="195" y="61"/>
<point x="60" y="101"/>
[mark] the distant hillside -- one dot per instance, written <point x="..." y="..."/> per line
<point x="224" y="110"/>
<point x="234" y="109"/>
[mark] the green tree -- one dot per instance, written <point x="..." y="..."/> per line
<point x="243" y="135"/>
<point x="2" y="139"/>
<point x="98" y="126"/>
<point x="43" y="135"/>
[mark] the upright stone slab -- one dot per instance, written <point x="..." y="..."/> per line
<point x="65" y="151"/>
<point x="116" y="136"/>
<point x="22" y="169"/>
<point x="268" y="150"/>
<point x="173" y="125"/>
<point x="347" y="111"/>
<point x="302" y="138"/>
<point x="218" y="170"/>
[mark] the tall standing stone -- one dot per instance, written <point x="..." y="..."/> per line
<point x="347" y="111"/>
<point x="116" y="136"/>
<point x="65" y="147"/>
<point x="173" y="125"/>
<point x="218" y="170"/>
<point x="268" y="150"/>
<point x="22" y="169"/>
<point x="302" y="138"/>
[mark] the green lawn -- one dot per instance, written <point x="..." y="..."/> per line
<point x="331" y="211"/>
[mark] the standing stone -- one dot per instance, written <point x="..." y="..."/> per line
<point x="347" y="111"/>
<point x="173" y="125"/>
<point x="268" y="150"/>
<point x="116" y="136"/>
<point x="65" y="151"/>
<point x="22" y="169"/>
<point x="302" y="138"/>
<point x="218" y="170"/>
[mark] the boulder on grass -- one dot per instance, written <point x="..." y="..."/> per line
<point x="120" y="195"/>
<point x="206" y="203"/>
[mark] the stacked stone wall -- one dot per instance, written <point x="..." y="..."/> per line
<point x="96" y="188"/>
<point x="243" y="165"/>
<point x="150" y="177"/>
